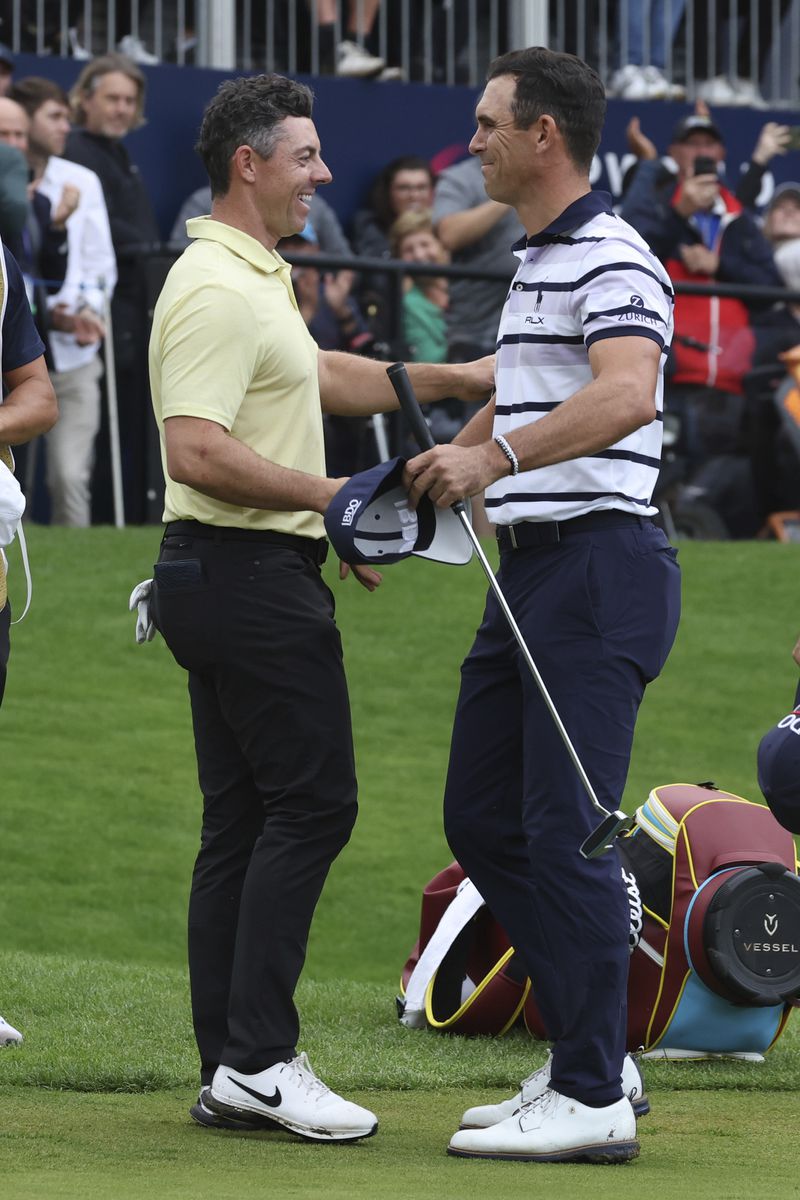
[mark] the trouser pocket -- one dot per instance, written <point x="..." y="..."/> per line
<point x="184" y="610"/>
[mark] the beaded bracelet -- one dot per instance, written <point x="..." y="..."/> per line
<point x="509" y="453"/>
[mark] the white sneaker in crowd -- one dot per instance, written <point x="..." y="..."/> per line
<point x="747" y="94"/>
<point x="538" y="1083"/>
<point x="9" y="1036"/>
<point x="717" y="91"/>
<point x="733" y="91"/>
<point x="626" y="82"/>
<point x="643" y="83"/>
<point x="555" y="1128"/>
<point x="660" y="86"/>
<point x="354" y="62"/>
<point x="656" y="83"/>
<point x="135" y="49"/>
<point x="290" y="1094"/>
<point x="75" y="48"/>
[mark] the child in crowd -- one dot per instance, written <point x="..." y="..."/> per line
<point x="425" y="299"/>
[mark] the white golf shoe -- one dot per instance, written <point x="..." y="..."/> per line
<point x="536" y="1084"/>
<point x="555" y="1128"/>
<point x="9" y="1036"/>
<point x="290" y="1094"/>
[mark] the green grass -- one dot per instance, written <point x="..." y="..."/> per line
<point x="88" y="1147"/>
<point x="99" y="824"/>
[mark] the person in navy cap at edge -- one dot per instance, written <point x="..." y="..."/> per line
<point x="779" y="764"/>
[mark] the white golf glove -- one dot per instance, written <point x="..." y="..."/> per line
<point x="140" y="600"/>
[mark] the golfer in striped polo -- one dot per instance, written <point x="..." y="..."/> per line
<point x="568" y="451"/>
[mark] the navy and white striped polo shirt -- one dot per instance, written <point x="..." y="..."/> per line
<point x="587" y="276"/>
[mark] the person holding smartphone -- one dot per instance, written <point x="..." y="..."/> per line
<point x="702" y="233"/>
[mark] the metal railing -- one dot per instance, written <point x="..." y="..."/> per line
<point x="743" y="52"/>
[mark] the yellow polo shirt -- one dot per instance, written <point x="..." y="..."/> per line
<point x="229" y="345"/>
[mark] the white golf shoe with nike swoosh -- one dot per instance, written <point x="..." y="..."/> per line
<point x="484" y="1115"/>
<point x="290" y="1094"/>
<point x="555" y="1128"/>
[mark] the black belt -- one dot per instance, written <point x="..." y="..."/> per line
<point x="314" y="548"/>
<point x="547" y="533"/>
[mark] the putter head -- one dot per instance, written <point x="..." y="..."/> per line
<point x="602" y="838"/>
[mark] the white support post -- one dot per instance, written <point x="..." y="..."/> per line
<point x="528" y="23"/>
<point x="220" y="34"/>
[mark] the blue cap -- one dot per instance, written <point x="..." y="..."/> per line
<point x="779" y="770"/>
<point x="370" y="520"/>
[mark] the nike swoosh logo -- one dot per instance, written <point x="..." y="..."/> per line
<point x="271" y="1101"/>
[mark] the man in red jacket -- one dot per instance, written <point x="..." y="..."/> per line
<point x="701" y="233"/>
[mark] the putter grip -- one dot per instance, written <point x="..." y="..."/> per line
<point x="398" y="377"/>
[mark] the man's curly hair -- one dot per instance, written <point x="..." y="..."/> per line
<point x="247" y="112"/>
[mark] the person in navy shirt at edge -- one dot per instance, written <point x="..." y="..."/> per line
<point x="568" y="450"/>
<point x="28" y="409"/>
<point x="29" y="403"/>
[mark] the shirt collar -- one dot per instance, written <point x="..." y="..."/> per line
<point x="238" y="241"/>
<point x="575" y="215"/>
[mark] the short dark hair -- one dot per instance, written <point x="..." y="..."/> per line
<point x="34" y="90"/>
<point x="247" y="111"/>
<point x="562" y="86"/>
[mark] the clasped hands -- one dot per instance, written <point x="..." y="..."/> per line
<point x="450" y="473"/>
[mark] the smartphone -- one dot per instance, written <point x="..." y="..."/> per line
<point x="703" y="165"/>
<point x="794" y="138"/>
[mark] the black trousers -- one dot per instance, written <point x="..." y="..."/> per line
<point x="251" y="620"/>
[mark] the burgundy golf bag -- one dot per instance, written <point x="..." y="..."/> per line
<point x="714" y="898"/>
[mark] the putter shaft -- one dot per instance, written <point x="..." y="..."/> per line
<point x="526" y="654"/>
<point x="613" y="823"/>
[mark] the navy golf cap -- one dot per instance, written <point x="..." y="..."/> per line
<point x="779" y="770"/>
<point x="695" y="123"/>
<point x="370" y="520"/>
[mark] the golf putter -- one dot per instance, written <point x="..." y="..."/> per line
<point x="613" y="823"/>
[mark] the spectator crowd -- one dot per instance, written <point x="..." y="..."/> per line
<point x="75" y="212"/>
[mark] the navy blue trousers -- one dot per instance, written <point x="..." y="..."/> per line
<point x="599" y="611"/>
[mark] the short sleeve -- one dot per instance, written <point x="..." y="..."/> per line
<point x="623" y="292"/>
<point x="21" y="341"/>
<point x="206" y="362"/>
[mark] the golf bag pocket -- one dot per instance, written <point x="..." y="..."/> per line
<point x="461" y="976"/>
<point x="714" y="899"/>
